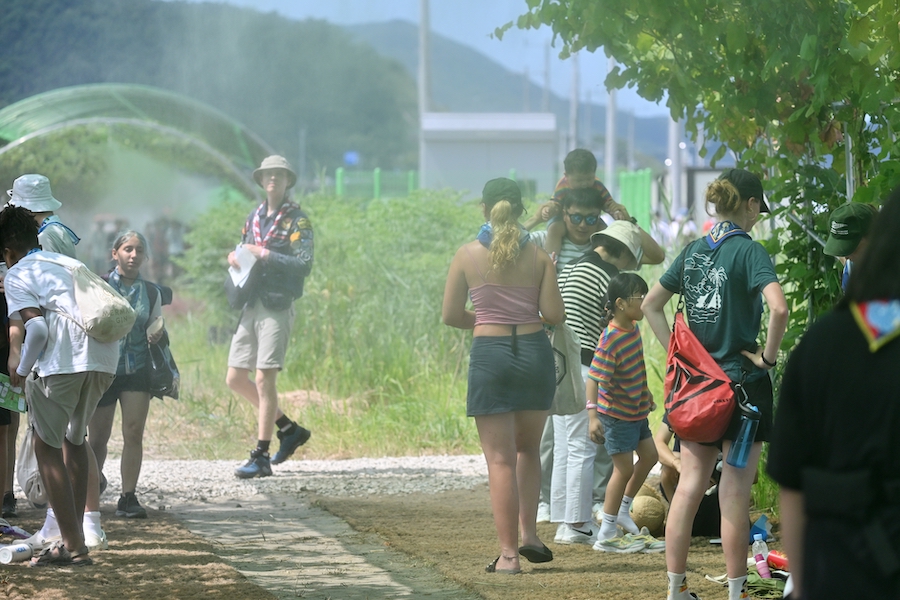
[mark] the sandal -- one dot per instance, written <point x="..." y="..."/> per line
<point x="536" y="554"/>
<point x="57" y="555"/>
<point x="492" y="568"/>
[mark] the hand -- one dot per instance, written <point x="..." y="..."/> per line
<point x="232" y="261"/>
<point x="676" y="464"/>
<point x="257" y="251"/>
<point x="595" y="430"/>
<point x="756" y="358"/>
<point x="618" y="212"/>
<point x="155" y="337"/>
<point x="554" y="257"/>
<point x="549" y="210"/>
<point x="16" y="380"/>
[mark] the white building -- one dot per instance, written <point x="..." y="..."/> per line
<point x="464" y="150"/>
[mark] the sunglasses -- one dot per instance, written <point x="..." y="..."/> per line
<point x="577" y="219"/>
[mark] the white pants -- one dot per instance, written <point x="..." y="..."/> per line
<point x="571" y="484"/>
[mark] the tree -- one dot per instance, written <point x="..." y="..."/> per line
<point x="786" y="85"/>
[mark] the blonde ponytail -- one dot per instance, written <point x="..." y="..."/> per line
<point x="722" y="194"/>
<point x="505" y="244"/>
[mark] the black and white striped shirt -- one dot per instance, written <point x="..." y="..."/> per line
<point x="583" y="285"/>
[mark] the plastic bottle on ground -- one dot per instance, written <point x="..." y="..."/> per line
<point x="760" y="551"/>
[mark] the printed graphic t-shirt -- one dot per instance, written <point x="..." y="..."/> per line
<point x="723" y="297"/>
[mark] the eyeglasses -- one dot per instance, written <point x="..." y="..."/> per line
<point x="588" y="219"/>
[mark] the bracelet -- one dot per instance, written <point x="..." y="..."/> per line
<point x="767" y="363"/>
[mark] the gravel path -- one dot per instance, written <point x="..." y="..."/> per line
<point x="167" y="483"/>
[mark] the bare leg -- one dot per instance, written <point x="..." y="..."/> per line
<point x="497" y="435"/>
<point x="135" y="406"/>
<point x="647" y="458"/>
<point x="99" y="431"/>
<point x="268" y="402"/>
<point x="60" y="469"/>
<point x="697" y="464"/>
<point x="529" y="427"/>
<point x="238" y="380"/>
<point x="734" y="502"/>
<point x="623" y="469"/>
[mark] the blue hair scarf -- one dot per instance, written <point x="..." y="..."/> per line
<point x="486" y="234"/>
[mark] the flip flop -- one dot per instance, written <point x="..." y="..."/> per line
<point x="536" y="554"/>
<point x="492" y="568"/>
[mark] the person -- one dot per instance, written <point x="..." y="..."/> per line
<point x="581" y="210"/>
<point x="279" y="236"/>
<point x="131" y="387"/>
<point x="840" y="384"/>
<point x="10" y="506"/>
<point x="512" y="378"/>
<point x="618" y="403"/>
<point x="848" y="235"/>
<point x="580" y="168"/>
<point x="33" y="193"/>
<point x="583" y="284"/>
<point x="72" y="370"/>
<point x="722" y="276"/>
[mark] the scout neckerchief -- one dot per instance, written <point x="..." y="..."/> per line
<point x="721" y="232"/>
<point x="54" y="220"/>
<point x="486" y="234"/>
<point x="258" y="239"/>
<point x="879" y="321"/>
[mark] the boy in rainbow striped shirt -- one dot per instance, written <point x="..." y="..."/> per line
<point x="618" y="394"/>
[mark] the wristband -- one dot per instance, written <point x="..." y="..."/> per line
<point x="767" y="363"/>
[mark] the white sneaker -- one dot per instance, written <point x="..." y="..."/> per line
<point x="586" y="534"/>
<point x="651" y="544"/>
<point x="597" y="511"/>
<point x="38" y="542"/>
<point x="94" y="542"/>
<point x="619" y="545"/>
<point x="543" y="514"/>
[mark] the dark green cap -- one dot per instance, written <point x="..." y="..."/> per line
<point x="848" y="224"/>
<point x="748" y="186"/>
<point x="501" y="189"/>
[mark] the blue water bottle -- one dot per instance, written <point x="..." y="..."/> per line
<point x="740" y="447"/>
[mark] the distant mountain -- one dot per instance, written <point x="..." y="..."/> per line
<point x="465" y="80"/>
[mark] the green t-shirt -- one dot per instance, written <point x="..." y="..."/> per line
<point x="723" y="297"/>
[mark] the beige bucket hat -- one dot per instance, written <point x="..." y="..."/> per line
<point x="275" y="162"/>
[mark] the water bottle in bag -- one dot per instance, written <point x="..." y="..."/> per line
<point x="740" y="447"/>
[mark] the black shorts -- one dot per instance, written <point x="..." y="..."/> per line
<point x="135" y="382"/>
<point x="505" y="379"/>
<point x="760" y="395"/>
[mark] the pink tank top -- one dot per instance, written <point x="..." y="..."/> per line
<point x="499" y="304"/>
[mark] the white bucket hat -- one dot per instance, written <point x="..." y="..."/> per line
<point x="628" y="234"/>
<point x="275" y="162"/>
<point x="32" y="192"/>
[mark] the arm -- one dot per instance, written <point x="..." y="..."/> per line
<point x="16" y="337"/>
<point x="35" y="342"/>
<point x="654" y="309"/>
<point x="595" y="427"/>
<point x="653" y="254"/>
<point x="297" y="263"/>
<point x="793" y="526"/>
<point x="542" y="214"/>
<point x="155" y="313"/>
<point x="456" y="293"/>
<point x="550" y="301"/>
<point x="661" y="439"/>
<point x="778" y="318"/>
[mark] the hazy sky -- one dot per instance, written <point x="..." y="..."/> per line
<point x="471" y="22"/>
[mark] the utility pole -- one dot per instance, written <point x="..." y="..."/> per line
<point x="610" y="154"/>
<point x="573" y="105"/>
<point x="424" y="82"/>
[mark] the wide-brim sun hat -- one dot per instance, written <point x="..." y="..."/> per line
<point x="628" y="234"/>
<point x="275" y="162"/>
<point x="32" y="192"/>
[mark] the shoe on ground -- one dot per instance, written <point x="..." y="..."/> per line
<point x="567" y="534"/>
<point x="289" y="443"/>
<point x="651" y="544"/>
<point x="619" y="545"/>
<point x="38" y="542"/>
<point x="130" y="508"/>
<point x="259" y="465"/>
<point x="10" y="508"/>
<point x="543" y="514"/>
<point x="597" y="512"/>
<point x="95" y="542"/>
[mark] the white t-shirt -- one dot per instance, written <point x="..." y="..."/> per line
<point x="33" y="283"/>
<point x="568" y="251"/>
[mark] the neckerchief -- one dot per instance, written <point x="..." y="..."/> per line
<point x="258" y="239"/>
<point x="879" y="321"/>
<point x="721" y="232"/>
<point x="54" y="220"/>
<point x="486" y="234"/>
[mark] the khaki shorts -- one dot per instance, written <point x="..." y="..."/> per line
<point x="261" y="339"/>
<point x="61" y="406"/>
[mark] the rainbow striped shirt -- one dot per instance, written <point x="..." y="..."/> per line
<point x="618" y="369"/>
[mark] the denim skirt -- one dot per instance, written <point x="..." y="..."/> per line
<point x="508" y="373"/>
